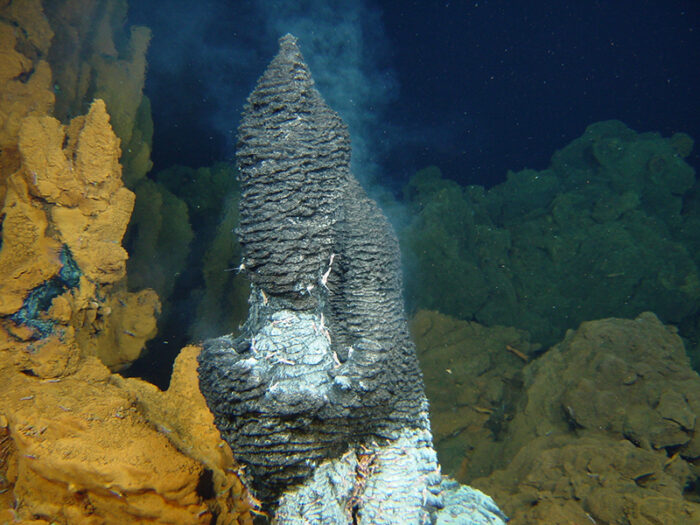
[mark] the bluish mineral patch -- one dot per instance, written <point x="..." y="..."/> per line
<point x="39" y="299"/>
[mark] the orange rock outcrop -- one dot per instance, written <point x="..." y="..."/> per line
<point x="78" y="443"/>
<point x="25" y="79"/>
<point x="95" y="55"/>
<point x="65" y="212"/>
<point x="93" y="447"/>
<point x="181" y="413"/>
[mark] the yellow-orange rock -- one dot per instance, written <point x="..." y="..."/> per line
<point x="25" y="77"/>
<point x="83" y="454"/>
<point x="61" y="182"/>
<point x="50" y="357"/>
<point x="93" y="447"/>
<point x="36" y="31"/>
<point x="83" y="181"/>
<point x="182" y="414"/>
<point x="87" y="205"/>
<point x="68" y="195"/>
<point x="28" y="256"/>
<point x="117" y="329"/>
<point x="94" y="56"/>
<point x="25" y="81"/>
<point x="77" y="443"/>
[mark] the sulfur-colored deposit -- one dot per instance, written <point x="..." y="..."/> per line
<point x="61" y="262"/>
<point x="79" y="444"/>
<point x="82" y="452"/>
<point x="91" y="447"/>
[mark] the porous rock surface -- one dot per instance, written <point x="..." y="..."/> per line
<point x="601" y="427"/>
<point x="92" y="447"/>
<point x="79" y="444"/>
<point x="62" y="266"/>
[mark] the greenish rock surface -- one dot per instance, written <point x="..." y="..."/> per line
<point x="223" y="306"/>
<point x="605" y="230"/>
<point x="602" y="427"/>
<point x="95" y="54"/>
<point x="211" y="285"/>
<point x="158" y="239"/>
<point x="182" y="243"/>
<point x="473" y="380"/>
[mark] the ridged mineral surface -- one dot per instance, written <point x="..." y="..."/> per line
<point x="321" y="396"/>
<point x="316" y="247"/>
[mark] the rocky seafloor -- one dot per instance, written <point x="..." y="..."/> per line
<point x="599" y="427"/>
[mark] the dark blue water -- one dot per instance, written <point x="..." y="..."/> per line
<point x="475" y="87"/>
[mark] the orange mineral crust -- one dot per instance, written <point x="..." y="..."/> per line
<point x="182" y="414"/>
<point x="25" y="85"/>
<point x="62" y="266"/>
<point x="79" y="444"/>
<point x="81" y="183"/>
<point x="28" y="256"/>
<point x="93" y="447"/>
<point x="83" y="453"/>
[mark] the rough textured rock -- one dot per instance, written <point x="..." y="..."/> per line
<point x="606" y="230"/>
<point x="601" y="427"/>
<point x="61" y="262"/>
<point x="323" y="381"/>
<point x="77" y="443"/>
<point x="94" y="55"/>
<point x="560" y="480"/>
<point x="82" y="452"/>
<point x="25" y="78"/>
<point x="628" y="378"/>
<point x="313" y="242"/>
<point x="181" y="414"/>
<point x="82" y="184"/>
<point x="63" y="210"/>
<point x="95" y="448"/>
<point x="473" y="380"/>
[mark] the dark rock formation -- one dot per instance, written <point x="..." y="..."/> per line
<point x="312" y="242"/>
<point x="321" y="396"/>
